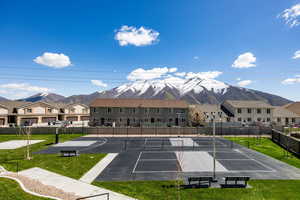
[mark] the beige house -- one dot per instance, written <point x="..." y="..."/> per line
<point x="284" y="117"/>
<point x="3" y="115"/>
<point x="20" y="113"/>
<point x="201" y="109"/>
<point x="74" y="112"/>
<point x="248" y="111"/>
<point x="293" y="107"/>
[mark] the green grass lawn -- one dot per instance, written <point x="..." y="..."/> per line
<point x="73" y="167"/>
<point x="268" y="147"/>
<point x="261" y="190"/>
<point x="10" y="190"/>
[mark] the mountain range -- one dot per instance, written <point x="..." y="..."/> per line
<point x="194" y="90"/>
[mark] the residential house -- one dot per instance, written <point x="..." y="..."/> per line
<point x="284" y="117"/>
<point x="74" y="112"/>
<point x="248" y="111"/>
<point x="38" y="113"/>
<point x="3" y="115"/>
<point x="206" y="109"/>
<point x="138" y="112"/>
<point x="293" y="107"/>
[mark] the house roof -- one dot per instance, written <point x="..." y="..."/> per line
<point x="38" y="102"/>
<point x="147" y="103"/>
<point x="10" y="105"/>
<point x="294" y="107"/>
<point x="283" y="112"/>
<point x="249" y="104"/>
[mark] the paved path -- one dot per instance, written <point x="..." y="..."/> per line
<point x="92" y="174"/>
<point x="14" y="144"/>
<point x="70" y="185"/>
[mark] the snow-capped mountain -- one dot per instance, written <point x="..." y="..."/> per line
<point x="194" y="90"/>
<point x="46" y="97"/>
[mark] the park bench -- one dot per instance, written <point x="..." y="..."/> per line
<point x="69" y="153"/>
<point x="236" y="181"/>
<point x="200" y="181"/>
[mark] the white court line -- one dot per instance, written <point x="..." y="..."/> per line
<point x="133" y="171"/>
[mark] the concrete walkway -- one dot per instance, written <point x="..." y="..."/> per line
<point x="92" y="174"/>
<point x="70" y="185"/>
<point x="14" y="144"/>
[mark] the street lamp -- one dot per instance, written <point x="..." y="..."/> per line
<point x="212" y="116"/>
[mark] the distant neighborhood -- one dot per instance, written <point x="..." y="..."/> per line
<point x="146" y="112"/>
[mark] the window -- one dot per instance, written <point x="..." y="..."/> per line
<point x="170" y="120"/>
<point x="62" y="110"/>
<point x="268" y="119"/>
<point x="157" y="110"/>
<point x="108" y="110"/>
<point x="120" y="119"/>
<point x="293" y="120"/>
<point x="170" y="110"/>
<point x="29" y="110"/>
<point x="239" y="110"/>
<point x="249" y="119"/>
<point x="278" y="119"/>
<point x="146" y="110"/>
<point x="258" y="111"/>
<point x="239" y="119"/>
<point x="121" y="110"/>
<point x="259" y="119"/>
<point x="249" y="110"/>
<point x="133" y="110"/>
<point x="268" y="111"/>
<point x="49" y="110"/>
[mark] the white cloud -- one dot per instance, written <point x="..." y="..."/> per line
<point x="296" y="55"/>
<point x="291" y="15"/>
<point x="20" y="90"/>
<point x="142" y="74"/>
<point x="204" y="75"/>
<point x="180" y="74"/>
<point x="238" y="79"/>
<point x="196" y="57"/>
<point x="291" y="81"/>
<point x="245" y="60"/>
<point x="98" y="83"/>
<point x="244" y="83"/>
<point x="129" y="35"/>
<point x="24" y="87"/>
<point x="54" y="60"/>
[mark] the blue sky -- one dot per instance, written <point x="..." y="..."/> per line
<point x="106" y="40"/>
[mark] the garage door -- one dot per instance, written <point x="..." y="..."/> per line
<point x="29" y="121"/>
<point x="72" y="119"/>
<point x="48" y="119"/>
<point x="85" y="118"/>
<point x="2" y="121"/>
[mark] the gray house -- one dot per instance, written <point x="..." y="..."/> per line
<point x="138" y="112"/>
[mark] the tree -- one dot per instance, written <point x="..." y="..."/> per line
<point x="196" y="116"/>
